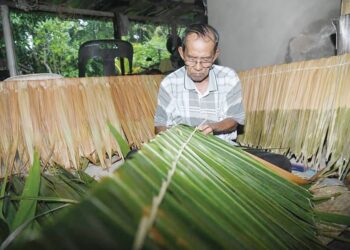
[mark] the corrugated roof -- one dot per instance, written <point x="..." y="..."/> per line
<point x="166" y="11"/>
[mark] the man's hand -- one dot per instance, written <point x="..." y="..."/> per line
<point x="159" y="129"/>
<point x="227" y="125"/>
<point x="205" y="129"/>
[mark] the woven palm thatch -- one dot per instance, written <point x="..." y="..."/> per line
<point x="301" y="109"/>
<point x="345" y="7"/>
<point x="135" y="100"/>
<point x="184" y="190"/>
<point x="66" y="119"/>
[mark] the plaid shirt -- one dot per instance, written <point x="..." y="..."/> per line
<point x="179" y="102"/>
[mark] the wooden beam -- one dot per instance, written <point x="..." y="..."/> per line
<point x="63" y="10"/>
<point x="105" y="14"/>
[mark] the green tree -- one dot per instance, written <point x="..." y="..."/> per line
<point x="149" y="42"/>
<point x="52" y="46"/>
<point x="22" y="26"/>
<point x="47" y="43"/>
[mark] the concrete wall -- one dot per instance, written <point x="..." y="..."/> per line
<point x="257" y="33"/>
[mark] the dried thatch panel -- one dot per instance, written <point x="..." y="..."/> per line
<point x="135" y="100"/>
<point x="300" y="109"/>
<point x="66" y="119"/>
<point x="345" y="7"/>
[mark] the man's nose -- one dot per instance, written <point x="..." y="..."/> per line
<point x="198" y="65"/>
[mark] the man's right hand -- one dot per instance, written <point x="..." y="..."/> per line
<point x="205" y="129"/>
<point x="159" y="129"/>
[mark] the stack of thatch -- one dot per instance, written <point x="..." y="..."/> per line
<point x="66" y="119"/>
<point x="301" y="109"/>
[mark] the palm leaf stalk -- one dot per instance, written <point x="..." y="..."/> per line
<point x="216" y="197"/>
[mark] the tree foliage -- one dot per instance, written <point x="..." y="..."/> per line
<point x="149" y="45"/>
<point x="48" y="43"/>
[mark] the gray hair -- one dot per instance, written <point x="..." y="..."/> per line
<point x="202" y="30"/>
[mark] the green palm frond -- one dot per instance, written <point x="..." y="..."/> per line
<point x="189" y="191"/>
<point x="31" y="202"/>
<point x="27" y="208"/>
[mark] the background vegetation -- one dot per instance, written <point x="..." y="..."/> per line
<point x="47" y="43"/>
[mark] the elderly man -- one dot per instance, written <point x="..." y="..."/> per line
<point x="201" y="91"/>
<point x="203" y="94"/>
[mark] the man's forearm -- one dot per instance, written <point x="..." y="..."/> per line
<point x="227" y="125"/>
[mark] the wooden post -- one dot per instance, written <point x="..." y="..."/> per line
<point x="10" y="52"/>
<point x="118" y="36"/>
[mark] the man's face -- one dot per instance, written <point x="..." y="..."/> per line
<point x="198" y="56"/>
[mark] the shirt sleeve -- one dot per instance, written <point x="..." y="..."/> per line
<point x="234" y="101"/>
<point x="162" y="115"/>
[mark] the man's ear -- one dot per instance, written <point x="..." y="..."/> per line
<point x="217" y="53"/>
<point x="181" y="52"/>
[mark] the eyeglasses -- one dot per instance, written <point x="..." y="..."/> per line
<point x="192" y="62"/>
